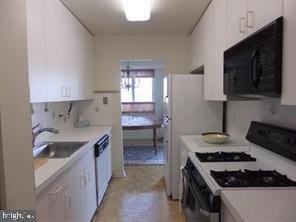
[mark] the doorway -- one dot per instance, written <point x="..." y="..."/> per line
<point x="142" y="110"/>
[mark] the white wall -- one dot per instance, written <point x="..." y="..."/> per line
<point x="49" y="118"/>
<point x="241" y="113"/>
<point x="17" y="171"/>
<point x="110" y="50"/>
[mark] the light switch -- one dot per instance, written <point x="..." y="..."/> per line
<point x="105" y="100"/>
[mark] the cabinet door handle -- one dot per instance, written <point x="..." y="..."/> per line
<point x="53" y="194"/>
<point x="250" y="19"/>
<point x="57" y="189"/>
<point x="63" y="92"/>
<point x="69" y="94"/>
<point x="88" y="177"/>
<point x="242" y="25"/>
<point x="68" y="200"/>
<point x="82" y="181"/>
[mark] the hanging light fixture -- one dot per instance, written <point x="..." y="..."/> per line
<point x="128" y="80"/>
<point x="137" y="10"/>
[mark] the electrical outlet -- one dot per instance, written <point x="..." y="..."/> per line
<point x="105" y="100"/>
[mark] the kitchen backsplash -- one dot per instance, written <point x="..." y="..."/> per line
<point x="241" y="113"/>
<point x="49" y="115"/>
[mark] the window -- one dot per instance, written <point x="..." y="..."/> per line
<point x="137" y="90"/>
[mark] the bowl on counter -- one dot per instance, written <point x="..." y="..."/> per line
<point x="215" y="137"/>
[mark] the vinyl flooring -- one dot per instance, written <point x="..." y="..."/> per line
<point x="139" y="197"/>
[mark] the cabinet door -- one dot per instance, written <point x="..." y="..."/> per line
<point x="289" y="54"/>
<point x="201" y="42"/>
<point x="197" y="46"/>
<point x="36" y="50"/>
<point x="54" y="49"/>
<point x="214" y="80"/>
<point x="90" y="190"/>
<point x="236" y="28"/>
<point x="71" y="51"/>
<point x="260" y="13"/>
<point x="55" y="211"/>
<point x="193" y="49"/>
<point x="74" y="199"/>
<point x="87" y="72"/>
<point x="208" y="51"/>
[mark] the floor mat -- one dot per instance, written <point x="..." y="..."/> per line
<point x="143" y="154"/>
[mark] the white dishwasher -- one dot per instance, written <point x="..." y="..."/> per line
<point x="103" y="166"/>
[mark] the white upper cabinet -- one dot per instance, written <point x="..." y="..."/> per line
<point x="36" y="50"/>
<point x="208" y="20"/>
<point x="198" y="45"/>
<point x="71" y="61"/>
<point x="262" y="12"/>
<point x="55" y="51"/>
<point x="214" y="64"/>
<point x="289" y="54"/>
<point x="236" y="29"/>
<point x="225" y="23"/>
<point x="244" y="17"/>
<point x="60" y="54"/>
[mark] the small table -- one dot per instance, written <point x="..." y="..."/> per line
<point x="142" y="122"/>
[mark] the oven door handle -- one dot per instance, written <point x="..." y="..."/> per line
<point x="201" y="210"/>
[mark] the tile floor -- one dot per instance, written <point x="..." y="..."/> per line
<point x="139" y="197"/>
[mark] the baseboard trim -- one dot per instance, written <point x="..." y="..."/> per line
<point x="119" y="173"/>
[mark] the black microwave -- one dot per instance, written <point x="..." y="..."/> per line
<point x="253" y="67"/>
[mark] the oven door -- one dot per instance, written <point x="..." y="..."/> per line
<point x="193" y="205"/>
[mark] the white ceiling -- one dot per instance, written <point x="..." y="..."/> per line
<point x="167" y="16"/>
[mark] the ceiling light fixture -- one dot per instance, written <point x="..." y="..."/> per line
<point x="137" y="10"/>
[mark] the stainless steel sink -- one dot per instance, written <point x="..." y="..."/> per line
<point x="56" y="149"/>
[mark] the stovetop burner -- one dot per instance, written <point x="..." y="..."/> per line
<point x="224" y="157"/>
<point x="251" y="178"/>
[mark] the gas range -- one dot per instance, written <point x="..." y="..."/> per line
<point x="251" y="178"/>
<point x="262" y="161"/>
<point x="269" y="162"/>
<point x="224" y="157"/>
<point x="262" y="164"/>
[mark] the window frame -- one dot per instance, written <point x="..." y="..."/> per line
<point x="139" y="73"/>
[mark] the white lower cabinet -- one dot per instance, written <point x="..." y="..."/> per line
<point x="74" y="201"/>
<point x="54" y="211"/>
<point x="72" y="196"/>
<point x="90" y="191"/>
<point x="226" y="215"/>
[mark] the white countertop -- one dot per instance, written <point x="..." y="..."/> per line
<point x="261" y="205"/>
<point x="196" y="144"/>
<point x="54" y="167"/>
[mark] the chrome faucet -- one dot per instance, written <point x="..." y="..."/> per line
<point x="47" y="129"/>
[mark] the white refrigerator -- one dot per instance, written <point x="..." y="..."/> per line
<point x="185" y="113"/>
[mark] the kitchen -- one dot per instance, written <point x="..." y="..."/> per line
<point x="223" y="24"/>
